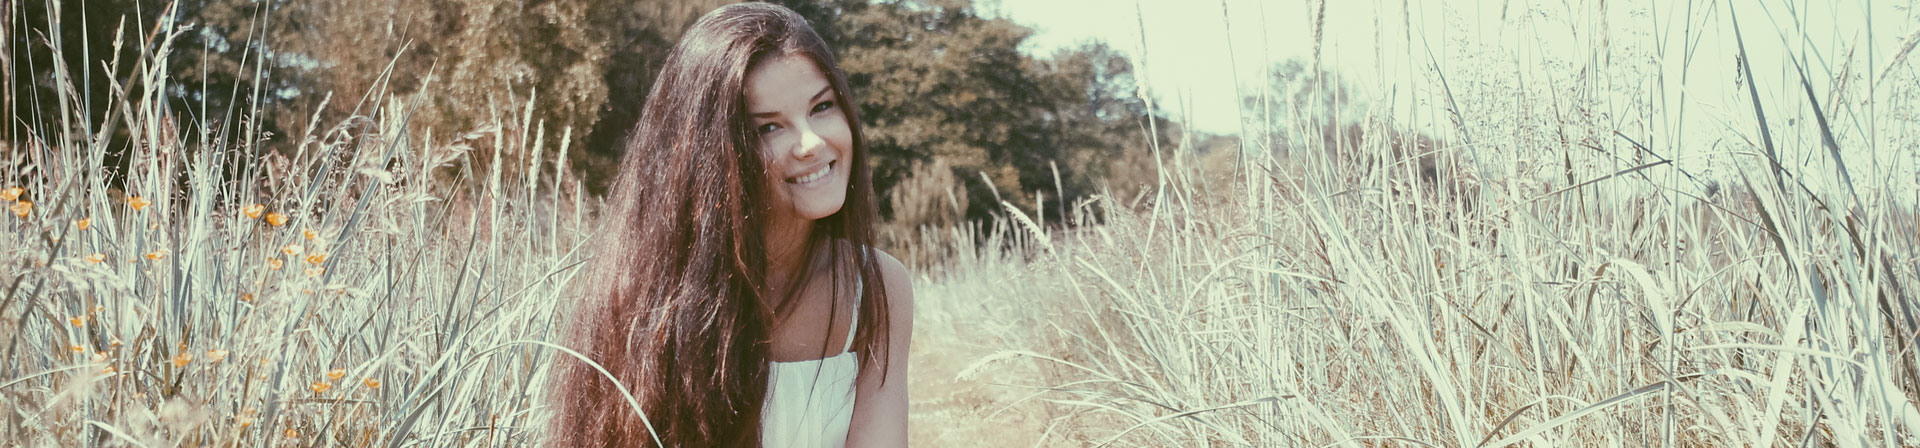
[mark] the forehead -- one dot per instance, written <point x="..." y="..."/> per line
<point x="783" y="81"/>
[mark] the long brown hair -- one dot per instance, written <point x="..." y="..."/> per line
<point x="673" y="306"/>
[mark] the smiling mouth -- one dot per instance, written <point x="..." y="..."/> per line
<point x="815" y="176"/>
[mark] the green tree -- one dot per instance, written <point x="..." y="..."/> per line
<point x="584" y="64"/>
<point x="74" y="68"/>
<point x="1102" y="121"/>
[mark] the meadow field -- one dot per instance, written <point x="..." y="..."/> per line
<point x="1563" y="269"/>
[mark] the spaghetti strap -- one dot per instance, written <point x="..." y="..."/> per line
<point x="854" y="324"/>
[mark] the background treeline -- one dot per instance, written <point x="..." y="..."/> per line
<point x="946" y="91"/>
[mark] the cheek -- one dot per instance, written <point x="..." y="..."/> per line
<point x="841" y="136"/>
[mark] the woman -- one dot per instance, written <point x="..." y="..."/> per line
<point x="737" y="293"/>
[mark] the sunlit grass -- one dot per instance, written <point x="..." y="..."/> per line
<point x="369" y="290"/>
<point x="1339" y="297"/>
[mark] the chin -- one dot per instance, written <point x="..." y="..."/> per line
<point x="815" y="212"/>
<point x="814" y="204"/>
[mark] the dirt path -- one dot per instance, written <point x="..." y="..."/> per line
<point x="955" y="326"/>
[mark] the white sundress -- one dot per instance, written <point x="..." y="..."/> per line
<point x="810" y="403"/>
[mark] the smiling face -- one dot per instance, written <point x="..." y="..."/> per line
<point x="802" y="135"/>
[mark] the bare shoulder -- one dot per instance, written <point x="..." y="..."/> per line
<point x="899" y="285"/>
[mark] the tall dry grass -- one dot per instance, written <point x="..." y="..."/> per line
<point x="1559" y="283"/>
<point x="377" y="285"/>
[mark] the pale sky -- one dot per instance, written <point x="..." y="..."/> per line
<point x="1490" y="50"/>
<point x="1187" y="56"/>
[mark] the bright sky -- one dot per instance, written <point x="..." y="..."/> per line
<point x="1187" y="44"/>
<point x="1188" y="40"/>
<point x="1491" y="49"/>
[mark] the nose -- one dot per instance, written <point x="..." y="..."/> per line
<point x="810" y="143"/>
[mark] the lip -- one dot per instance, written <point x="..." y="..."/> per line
<point x="819" y="174"/>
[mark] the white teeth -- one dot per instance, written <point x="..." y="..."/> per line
<point x="817" y="175"/>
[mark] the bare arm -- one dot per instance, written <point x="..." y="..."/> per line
<point x="880" y="411"/>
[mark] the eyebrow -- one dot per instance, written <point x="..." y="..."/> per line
<point x="816" y="97"/>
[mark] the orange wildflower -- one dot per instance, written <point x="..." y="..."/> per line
<point x="309" y="234"/>
<point x="316" y="258"/>
<point x="320" y="387"/>
<point x="292" y="249"/>
<point x="11" y="193"/>
<point x="139" y="202"/>
<point x="97" y="258"/>
<point x="21" y="208"/>
<point x="254" y="211"/>
<point x="78" y="321"/>
<point x="314" y="272"/>
<point x="274" y="263"/>
<point x="156" y="255"/>
<point x="371" y="383"/>
<point x="336" y="374"/>
<point x="216" y="355"/>
<point x="182" y="359"/>
<point x="83" y="223"/>
<point x="277" y="219"/>
<point x="246" y="297"/>
<point x="77" y="349"/>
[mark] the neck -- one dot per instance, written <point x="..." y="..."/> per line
<point x="786" y="250"/>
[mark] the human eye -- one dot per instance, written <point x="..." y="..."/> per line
<point x="824" y="105"/>
<point x="767" y="128"/>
